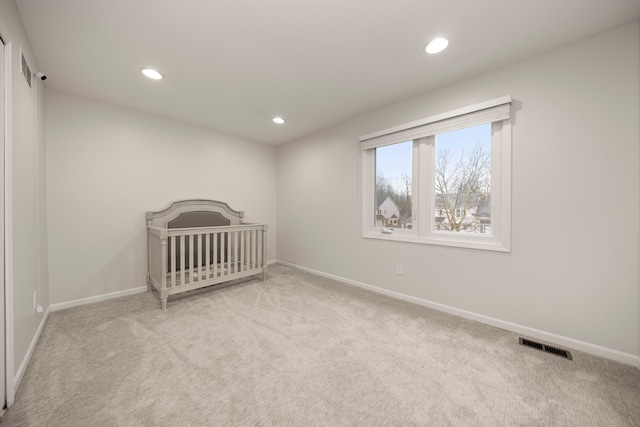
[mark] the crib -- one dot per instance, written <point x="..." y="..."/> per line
<point x="197" y="243"/>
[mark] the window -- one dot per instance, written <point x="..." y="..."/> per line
<point x="462" y="179"/>
<point x="393" y="185"/>
<point x="443" y="180"/>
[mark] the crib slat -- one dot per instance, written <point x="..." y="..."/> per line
<point x="235" y="251"/>
<point x="228" y="236"/>
<point x="254" y="237"/>
<point x="257" y="249"/>
<point x="173" y="259"/>
<point x="222" y="252"/>
<point x="249" y="236"/>
<point x="259" y="259"/>
<point x="263" y="239"/>
<point x="214" y="261"/>
<point x="247" y="255"/>
<point x="182" y="263"/>
<point x="191" y="248"/>
<point x="242" y="249"/>
<point x="257" y="263"/>
<point x="231" y="250"/>
<point x="199" y="267"/>
<point x="207" y="254"/>
<point x="248" y="260"/>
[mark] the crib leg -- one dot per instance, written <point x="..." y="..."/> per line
<point x="164" y="303"/>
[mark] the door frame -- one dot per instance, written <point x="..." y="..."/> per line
<point x="8" y="344"/>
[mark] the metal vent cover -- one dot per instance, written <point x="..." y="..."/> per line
<point x="546" y="348"/>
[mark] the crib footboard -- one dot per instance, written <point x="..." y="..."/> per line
<point x="184" y="259"/>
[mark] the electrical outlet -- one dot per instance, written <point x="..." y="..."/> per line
<point x="399" y="269"/>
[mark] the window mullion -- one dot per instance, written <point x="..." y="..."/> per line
<point x="425" y="161"/>
<point x="501" y="181"/>
<point x="368" y="190"/>
<point x="415" y="187"/>
<point x="496" y="187"/>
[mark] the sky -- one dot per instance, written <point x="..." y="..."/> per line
<point x="394" y="160"/>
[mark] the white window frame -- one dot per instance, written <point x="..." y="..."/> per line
<point x="422" y="133"/>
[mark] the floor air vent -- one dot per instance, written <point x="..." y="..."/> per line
<point x="546" y="348"/>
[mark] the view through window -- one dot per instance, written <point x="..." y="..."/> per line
<point x="393" y="185"/>
<point x="463" y="180"/>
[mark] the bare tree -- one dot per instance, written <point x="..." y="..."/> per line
<point x="461" y="185"/>
<point x="404" y="192"/>
<point x="384" y="189"/>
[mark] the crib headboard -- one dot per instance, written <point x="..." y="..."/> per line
<point x="195" y="213"/>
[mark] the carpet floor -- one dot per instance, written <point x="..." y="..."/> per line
<point x="302" y="350"/>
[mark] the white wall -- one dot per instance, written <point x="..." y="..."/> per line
<point x="573" y="269"/>
<point x="107" y="166"/>
<point x="27" y="191"/>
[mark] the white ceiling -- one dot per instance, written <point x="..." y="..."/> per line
<point x="232" y="65"/>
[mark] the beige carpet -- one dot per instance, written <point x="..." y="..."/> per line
<point x="300" y="350"/>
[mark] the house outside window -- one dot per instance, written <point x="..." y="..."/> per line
<point x="442" y="180"/>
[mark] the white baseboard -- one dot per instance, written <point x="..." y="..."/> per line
<point x="97" y="298"/>
<point x="112" y="295"/>
<point x="626" y="358"/>
<point x="27" y="357"/>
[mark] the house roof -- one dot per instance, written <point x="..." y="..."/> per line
<point x="475" y="201"/>
<point x="390" y="200"/>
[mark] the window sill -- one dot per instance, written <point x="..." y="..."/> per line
<point x="467" y="242"/>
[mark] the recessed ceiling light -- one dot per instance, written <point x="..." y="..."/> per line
<point x="152" y="74"/>
<point x="278" y="120"/>
<point x="437" y="45"/>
